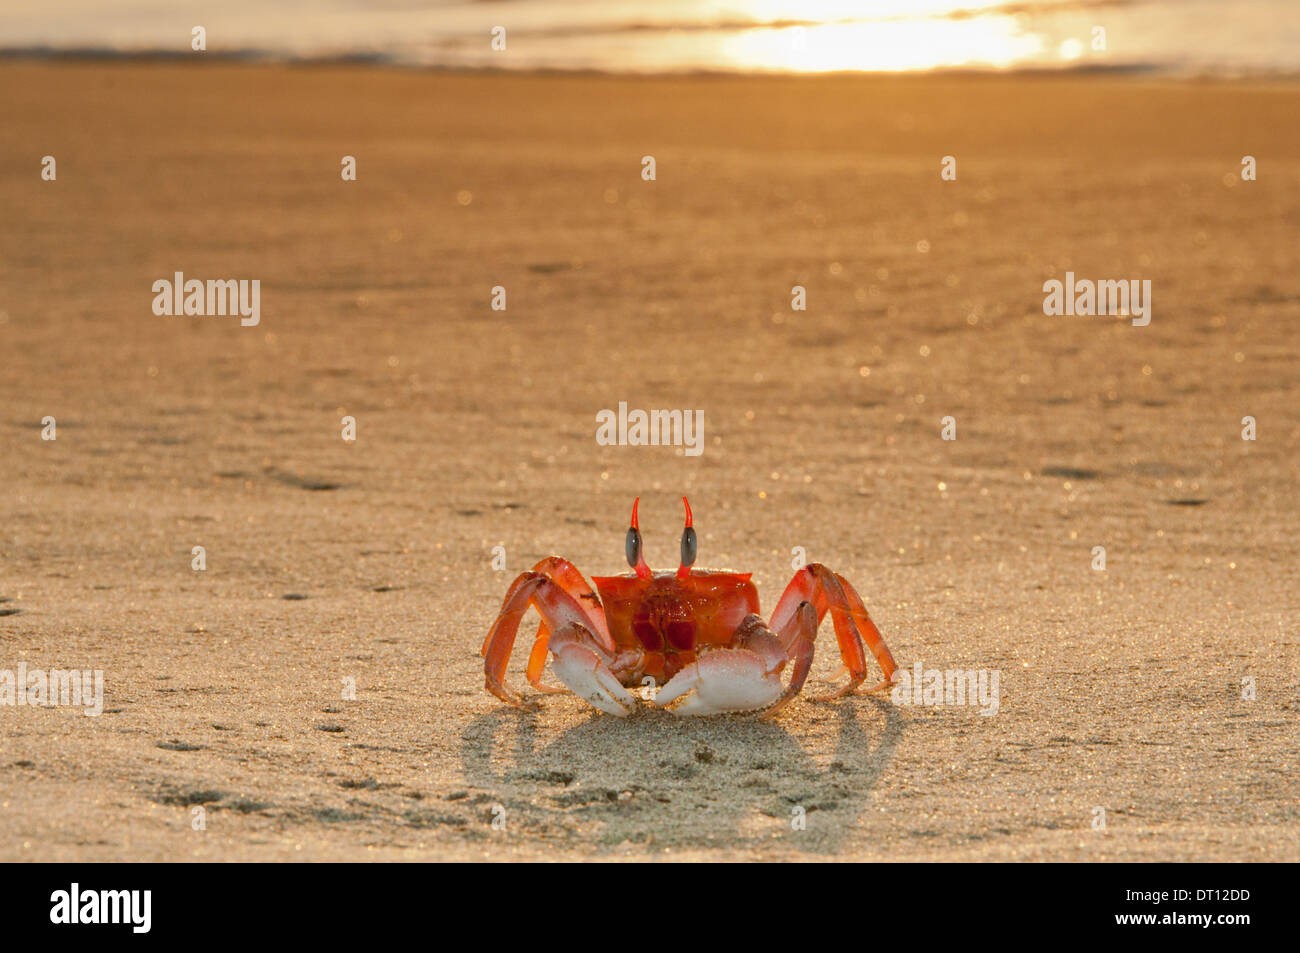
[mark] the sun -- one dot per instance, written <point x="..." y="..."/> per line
<point x="888" y="45"/>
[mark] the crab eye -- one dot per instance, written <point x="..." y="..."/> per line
<point x="689" y="546"/>
<point x="633" y="547"/>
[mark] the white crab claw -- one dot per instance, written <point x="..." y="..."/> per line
<point x="582" y="670"/>
<point x="724" y="680"/>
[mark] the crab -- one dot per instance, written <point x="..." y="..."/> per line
<point x="691" y="631"/>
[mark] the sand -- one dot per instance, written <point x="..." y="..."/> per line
<point x="1120" y="690"/>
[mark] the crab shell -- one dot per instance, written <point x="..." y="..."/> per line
<point x="672" y="618"/>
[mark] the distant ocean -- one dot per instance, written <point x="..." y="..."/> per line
<point x="1183" y="37"/>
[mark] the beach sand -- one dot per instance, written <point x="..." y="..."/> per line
<point x="1120" y="690"/>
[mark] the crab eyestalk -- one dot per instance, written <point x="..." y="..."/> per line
<point x="635" y="557"/>
<point x="690" y="544"/>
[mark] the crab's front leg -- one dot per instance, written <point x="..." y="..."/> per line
<point x="825" y="591"/>
<point x="565" y="575"/>
<point x="580" y="655"/>
<point x="743" y="676"/>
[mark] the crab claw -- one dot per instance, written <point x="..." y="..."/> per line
<point x="725" y="680"/>
<point x="589" y="678"/>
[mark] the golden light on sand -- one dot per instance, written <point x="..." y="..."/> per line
<point x="830" y="35"/>
<point x="1071" y="49"/>
<point x="885" y="46"/>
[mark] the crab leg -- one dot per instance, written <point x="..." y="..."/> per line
<point x="566" y="575"/>
<point x="825" y="591"/>
<point x="744" y="676"/>
<point x="537" y="662"/>
<point x="562" y="616"/>
<point x="797" y="642"/>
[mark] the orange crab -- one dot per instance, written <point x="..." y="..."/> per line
<point x="690" y="630"/>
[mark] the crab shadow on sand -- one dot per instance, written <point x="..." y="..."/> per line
<point x="660" y="782"/>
